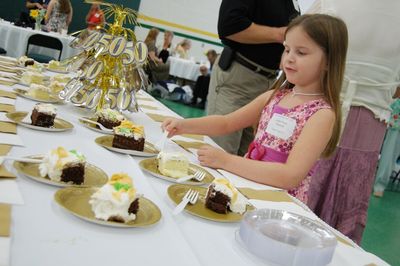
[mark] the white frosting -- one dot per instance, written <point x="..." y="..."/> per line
<point x="29" y="77"/>
<point x="23" y="59"/>
<point x="56" y="87"/>
<point x="34" y="89"/>
<point x="238" y="202"/>
<point x="173" y="164"/>
<point x="110" y="114"/>
<point x="107" y="202"/>
<point x="46" y="108"/>
<point x="54" y="163"/>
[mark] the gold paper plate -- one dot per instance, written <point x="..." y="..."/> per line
<point x="94" y="176"/>
<point x="150" y="166"/>
<point x="176" y="193"/>
<point x="106" y="142"/>
<point x="59" y="124"/>
<point x="93" y="126"/>
<point x="76" y="201"/>
<point x="40" y="96"/>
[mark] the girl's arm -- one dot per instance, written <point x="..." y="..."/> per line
<point x="216" y="125"/>
<point x="308" y="148"/>
<point x="49" y="10"/>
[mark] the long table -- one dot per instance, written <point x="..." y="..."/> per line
<point x="15" y="39"/>
<point x="45" y="234"/>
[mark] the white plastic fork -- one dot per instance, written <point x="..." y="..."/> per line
<point x="198" y="175"/>
<point x="95" y="123"/>
<point x="190" y="196"/>
<point x="20" y="159"/>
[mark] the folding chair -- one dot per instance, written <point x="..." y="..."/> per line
<point x="43" y="41"/>
<point x="2" y="51"/>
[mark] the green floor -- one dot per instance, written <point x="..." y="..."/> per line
<point x="382" y="234"/>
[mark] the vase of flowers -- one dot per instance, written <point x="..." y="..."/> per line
<point x="38" y="15"/>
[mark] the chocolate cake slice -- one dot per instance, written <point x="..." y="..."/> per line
<point x="217" y="201"/>
<point x="133" y="208"/>
<point x="74" y="174"/>
<point x="128" y="143"/>
<point x="43" y="115"/>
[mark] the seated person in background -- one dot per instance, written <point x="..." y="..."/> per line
<point x="36" y="4"/>
<point x="165" y="51"/>
<point x="201" y="88"/>
<point x="95" y="17"/>
<point x="157" y="70"/>
<point x="182" y="48"/>
<point x="211" y="56"/>
<point x="59" y="15"/>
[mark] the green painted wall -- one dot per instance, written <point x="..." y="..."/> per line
<point x="10" y="9"/>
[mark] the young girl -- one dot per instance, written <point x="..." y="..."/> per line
<point x="297" y="121"/>
<point x="59" y="15"/>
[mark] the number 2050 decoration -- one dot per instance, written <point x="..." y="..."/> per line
<point x="110" y="65"/>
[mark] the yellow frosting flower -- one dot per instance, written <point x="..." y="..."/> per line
<point x="122" y="184"/>
<point x="131" y="127"/>
<point x="226" y="182"/>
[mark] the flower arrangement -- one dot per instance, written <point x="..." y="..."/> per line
<point x="38" y="15"/>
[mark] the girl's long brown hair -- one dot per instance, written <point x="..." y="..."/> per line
<point x="330" y="33"/>
<point x="152" y="36"/>
<point x="65" y="6"/>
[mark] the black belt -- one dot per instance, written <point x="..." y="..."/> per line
<point x="266" y="73"/>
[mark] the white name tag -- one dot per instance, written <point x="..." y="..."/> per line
<point x="281" y="126"/>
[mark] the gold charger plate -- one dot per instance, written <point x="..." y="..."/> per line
<point x="177" y="191"/>
<point x="106" y="142"/>
<point x="39" y="96"/>
<point x="76" y="201"/>
<point x="93" y="126"/>
<point x="150" y="166"/>
<point x="94" y="176"/>
<point x="59" y="124"/>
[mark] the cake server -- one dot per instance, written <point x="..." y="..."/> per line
<point x="161" y="143"/>
<point x="20" y="159"/>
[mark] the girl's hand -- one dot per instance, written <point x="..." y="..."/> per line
<point x="173" y="126"/>
<point x="212" y="157"/>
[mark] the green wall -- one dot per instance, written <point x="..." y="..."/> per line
<point x="10" y="9"/>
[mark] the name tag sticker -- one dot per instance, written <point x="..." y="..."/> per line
<point x="281" y="126"/>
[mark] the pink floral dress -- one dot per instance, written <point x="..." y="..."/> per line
<point x="269" y="148"/>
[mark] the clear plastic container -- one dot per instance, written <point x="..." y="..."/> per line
<point x="286" y="238"/>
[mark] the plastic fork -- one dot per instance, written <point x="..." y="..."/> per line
<point x="190" y="196"/>
<point x="198" y="175"/>
<point x="161" y="143"/>
<point x="96" y="123"/>
<point x="20" y="159"/>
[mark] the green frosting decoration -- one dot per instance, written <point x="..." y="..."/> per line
<point x="118" y="186"/>
<point x="78" y="155"/>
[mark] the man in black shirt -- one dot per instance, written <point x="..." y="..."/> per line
<point x="252" y="32"/>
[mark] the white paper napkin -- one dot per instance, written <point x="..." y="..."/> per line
<point x="9" y="192"/>
<point x="5" y="251"/>
<point x="11" y="139"/>
<point x="4" y="100"/>
<point x="3" y="117"/>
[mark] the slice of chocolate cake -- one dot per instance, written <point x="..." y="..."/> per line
<point x="43" y="115"/>
<point x="223" y="197"/>
<point x="116" y="201"/>
<point x="109" y="118"/>
<point x="65" y="166"/>
<point x="129" y="136"/>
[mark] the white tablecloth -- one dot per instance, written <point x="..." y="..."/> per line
<point x="44" y="234"/>
<point x="183" y="68"/>
<point x="15" y="39"/>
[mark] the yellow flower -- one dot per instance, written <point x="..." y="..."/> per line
<point x="34" y="13"/>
